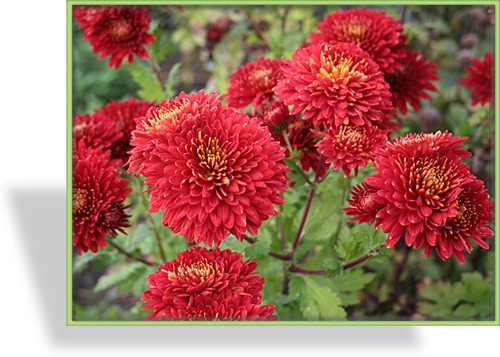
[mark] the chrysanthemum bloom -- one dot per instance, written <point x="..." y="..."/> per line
<point x="122" y="115"/>
<point x="363" y="206"/>
<point x="203" y="284"/>
<point x="335" y="85"/>
<point x="253" y="83"/>
<point x="408" y="84"/>
<point x="480" y="79"/>
<point x="475" y="211"/>
<point x="275" y="116"/>
<point x="377" y="33"/>
<point x="98" y="198"/>
<point x="116" y="31"/>
<point x="165" y="117"/>
<point x="350" y="146"/>
<point x="94" y="131"/>
<point x="418" y="183"/>
<point x="213" y="170"/>
<point x="216" y="31"/>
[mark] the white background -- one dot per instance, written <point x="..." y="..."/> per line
<point x="33" y="266"/>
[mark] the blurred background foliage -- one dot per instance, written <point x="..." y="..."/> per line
<point x="199" y="48"/>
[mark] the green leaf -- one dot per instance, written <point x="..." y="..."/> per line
<point x="439" y="300"/>
<point x="143" y="75"/>
<point x="316" y="302"/>
<point x="477" y="295"/>
<point x="119" y="274"/>
<point x="136" y="282"/>
<point x="352" y="280"/>
<point x="171" y="81"/>
<point x="332" y="266"/>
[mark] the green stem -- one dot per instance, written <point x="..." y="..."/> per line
<point x="258" y="31"/>
<point x="297" y="161"/>
<point x="295" y="269"/>
<point x="156" y="69"/>
<point x="130" y="255"/>
<point x="272" y="254"/>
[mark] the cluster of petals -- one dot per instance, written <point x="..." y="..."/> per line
<point x="110" y="126"/>
<point x="424" y="191"/>
<point x="116" y="31"/>
<point x="375" y="32"/>
<point x="349" y="147"/>
<point x="253" y="83"/>
<point x="480" y="79"/>
<point x="94" y="131"/>
<point x="336" y="84"/>
<point x="206" y="284"/>
<point x="121" y="115"/>
<point x="409" y="83"/>
<point x="211" y="169"/>
<point x="99" y="193"/>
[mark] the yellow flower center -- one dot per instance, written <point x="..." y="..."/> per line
<point x="340" y="69"/>
<point x="198" y="271"/>
<point x="260" y="77"/>
<point x="212" y="160"/>
<point x="121" y="29"/>
<point x="163" y="117"/>
<point x="80" y="196"/>
<point x="430" y="182"/>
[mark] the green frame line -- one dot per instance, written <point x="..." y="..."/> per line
<point x="69" y="168"/>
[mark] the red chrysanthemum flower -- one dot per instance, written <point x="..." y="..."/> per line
<point x="116" y="31"/>
<point x="377" y="33"/>
<point x="335" y="85"/>
<point x="409" y="83"/>
<point x="98" y="198"/>
<point x="203" y="284"/>
<point x="213" y="170"/>
<point x="94" y="131"/>
<point x="253" y="83"/>
<point x="350" y="146"/>
<point x="159" y="120"/>
<point x="475" y="211"/>
<point x="418" y="183"/>
<point x="275" y="116"/>
<point x="364" y="208"/>
<point x="480" y="79"/>
<point x="121" y="115"/>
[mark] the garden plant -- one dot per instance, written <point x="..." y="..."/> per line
<point x="282" y="163"/>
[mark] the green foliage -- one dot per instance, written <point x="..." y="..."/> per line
<point x="316" y="302"/>
<point x="472" y="297"/>
<point x="343" y="270"/>
<point x="117" y="275"/>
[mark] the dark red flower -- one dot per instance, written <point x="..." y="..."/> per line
<point x="418" y="183"/>
<point x="213" y="170"/>
<point x="165" y="117"/>
<point x="203" y="284"/>
<point x="116" y="31"/>
<point x="121" y="115"/>
<point x="98" y="198"/>
<point x="364" y="208"/>
<point x="335" y="85"/>
<point x="216" y="30"/>
<point x="377" y="33"/>
<point x="94" y="131"/>
<point x="275" y="116"/>
<point x="475" y="211"/>
<point x="409" y="83"/>
<point x="480" y="79"/>
<point x="350" y="146"/>
<point x="254" y="83"/>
